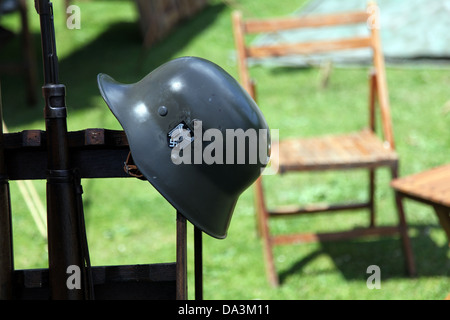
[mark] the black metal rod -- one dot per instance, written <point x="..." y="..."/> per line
<point x="64" y="243"/>
<point x="198" y="262"/>
<point x="49" y="57"/>
<point x="181" y="265"/>
<point x="6" y="243"/>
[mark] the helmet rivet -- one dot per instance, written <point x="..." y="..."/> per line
<point x="162" y="111"/>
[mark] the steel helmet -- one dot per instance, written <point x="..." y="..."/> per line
<point x="178" y="108"/>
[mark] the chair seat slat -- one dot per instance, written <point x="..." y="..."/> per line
<point x="361" y="149"/>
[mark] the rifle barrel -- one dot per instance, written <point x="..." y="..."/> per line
<point x="63" y="227"/>
<point x="49" y="56"/>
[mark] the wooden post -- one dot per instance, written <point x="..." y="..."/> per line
<point x="6" y="243"/>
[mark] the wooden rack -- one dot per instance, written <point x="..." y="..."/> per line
<point x="65" y="158"/>
<point x="97" y="153"/>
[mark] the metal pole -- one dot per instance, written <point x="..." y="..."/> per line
<point x="198" y="261"/>
<point x="64" y="243"/>
<point x="6" y="243"/>
<point x="181" y="265"/>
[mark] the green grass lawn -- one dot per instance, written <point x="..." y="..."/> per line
<point x="128" y="222"/>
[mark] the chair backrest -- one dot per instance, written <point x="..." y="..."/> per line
<point x="378" y="85"/>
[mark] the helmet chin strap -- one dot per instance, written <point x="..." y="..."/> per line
<point x="131" y="169"/>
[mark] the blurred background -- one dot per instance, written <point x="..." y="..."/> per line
<point x="128" y="222"/>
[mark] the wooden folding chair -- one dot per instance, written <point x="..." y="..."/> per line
<point x="431" y="187"/>
<point x="357" y="150"/>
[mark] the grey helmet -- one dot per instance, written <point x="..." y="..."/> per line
<point x="168" y="113"/>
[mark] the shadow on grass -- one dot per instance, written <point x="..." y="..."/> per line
<point x="118" y="52"/>
<point x="352" y="258"/>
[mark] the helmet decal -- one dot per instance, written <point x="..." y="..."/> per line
<point x="180" y="136"/>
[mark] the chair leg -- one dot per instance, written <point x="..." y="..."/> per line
<point x="262" y="221"/>
<point x="443" y="214"/>
<point x="258" y="208"/>
<point x="407" y="249"/>
<point x="271" y="272"/>
<point x="372" y="197"/>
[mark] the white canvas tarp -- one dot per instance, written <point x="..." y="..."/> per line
<point x="411" y="31"/>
